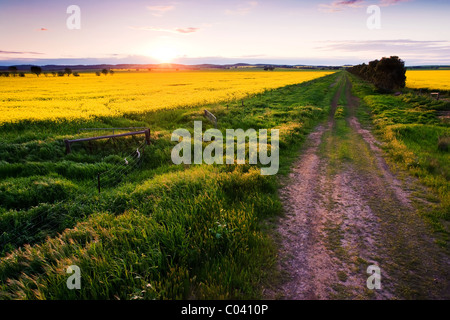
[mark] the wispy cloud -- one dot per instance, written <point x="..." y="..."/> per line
<point x="339" y="5"/>
<point x="42" y="29"/>
<point x="19" y="52"/>
<point x="173" y="30"/>
<point x="242" y="9"/>
<point x="158" y="11"/>
<point x="186" y="30"/>
<point x="386" y="3"/>
<point x="400" y="47"/>
<point x="413" y="52"/>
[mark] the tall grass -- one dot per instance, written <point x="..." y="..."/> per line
<point x="415" y="138"/>
<point x="162" y="231"/>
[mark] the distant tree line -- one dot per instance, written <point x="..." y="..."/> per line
<point x="13" y="71"/>
<point x="387" y="74"/>
<point x="105" y="72"/>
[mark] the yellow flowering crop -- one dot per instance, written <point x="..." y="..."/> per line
<point x="53" y="98"/>
<point x="428" y="79"/>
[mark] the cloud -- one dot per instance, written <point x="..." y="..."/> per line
<point x="19" y="52"/>
<point x="339" y="5"/>
<point x="42" y="29"/>
<point x="173" y="30"/>
<point x="411" y="50"/>
<point x="386" y="3"/>
<point x="186" y="30"/>
<point x="158" y="11"/>
<point x="243" y="9"/>
<point x="383" y="45"/>
<point x="252" y="56"/>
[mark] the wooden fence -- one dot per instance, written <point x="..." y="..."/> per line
<point x="70" y="142"/>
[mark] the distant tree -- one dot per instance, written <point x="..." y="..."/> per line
<point x="105" y="72"/>
<point x="54" y="73"/>
<point x="98" y="73"/>
<point x="36" y="70"/>
<point x="76" y="74"/>
<point x="386" y="74"/>
<point x="149" y="69"/>
<point x="390" y="74"/>
<point x="68" y="71"/>
<point x="61" y="73"/>
<point x="370" y="70"/>
<point x="22" y="74"/>
<point x="6" y="74"/>
<point x="13" y="70"/>
<point x="111" y="72"/>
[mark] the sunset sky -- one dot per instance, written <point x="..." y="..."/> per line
<point x="213" y="31"/>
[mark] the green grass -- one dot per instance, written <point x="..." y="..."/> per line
<point x="416" y="139"/>
<point x="159" y="232"/>
<point x="336" y="144"/>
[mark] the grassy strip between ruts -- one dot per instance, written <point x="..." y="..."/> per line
<point x="417" y="139"/>
<point x="163" y="231"/>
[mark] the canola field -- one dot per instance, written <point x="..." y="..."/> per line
<point x="53" y="98"/>
<point x="428" y="79"/>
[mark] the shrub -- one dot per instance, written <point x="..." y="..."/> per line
<point x="36" y="70"/>
<point x="30" y="191"/>
<point x="386" y="74"/>
<point x="443" y="143"/>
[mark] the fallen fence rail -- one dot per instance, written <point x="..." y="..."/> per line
<point x="113" y="129"/>
<point x="211" y="117"/>
<point x="69" y="142"/>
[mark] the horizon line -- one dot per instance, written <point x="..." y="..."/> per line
<point x="206" y="63"/>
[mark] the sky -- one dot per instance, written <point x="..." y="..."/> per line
<point x="318" y="32"/>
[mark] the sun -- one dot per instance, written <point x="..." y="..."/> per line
<point x="164" y="54"/>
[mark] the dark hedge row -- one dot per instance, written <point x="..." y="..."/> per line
<point x="387" y="74"/>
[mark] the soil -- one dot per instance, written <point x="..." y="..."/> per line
<point x="346" y="213"/>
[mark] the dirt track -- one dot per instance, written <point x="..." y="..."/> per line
<point x="344" y="211"/>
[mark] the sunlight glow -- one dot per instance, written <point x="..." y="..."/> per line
<point x="164" y="54"/>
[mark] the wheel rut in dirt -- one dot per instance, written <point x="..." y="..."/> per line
<point x="345" y="211"/>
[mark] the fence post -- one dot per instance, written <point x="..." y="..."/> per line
<point x="68" y="149"/>
<point x="435" y="95"/>
<point x="98" y="182"/>
<point x="147" y="136"/>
